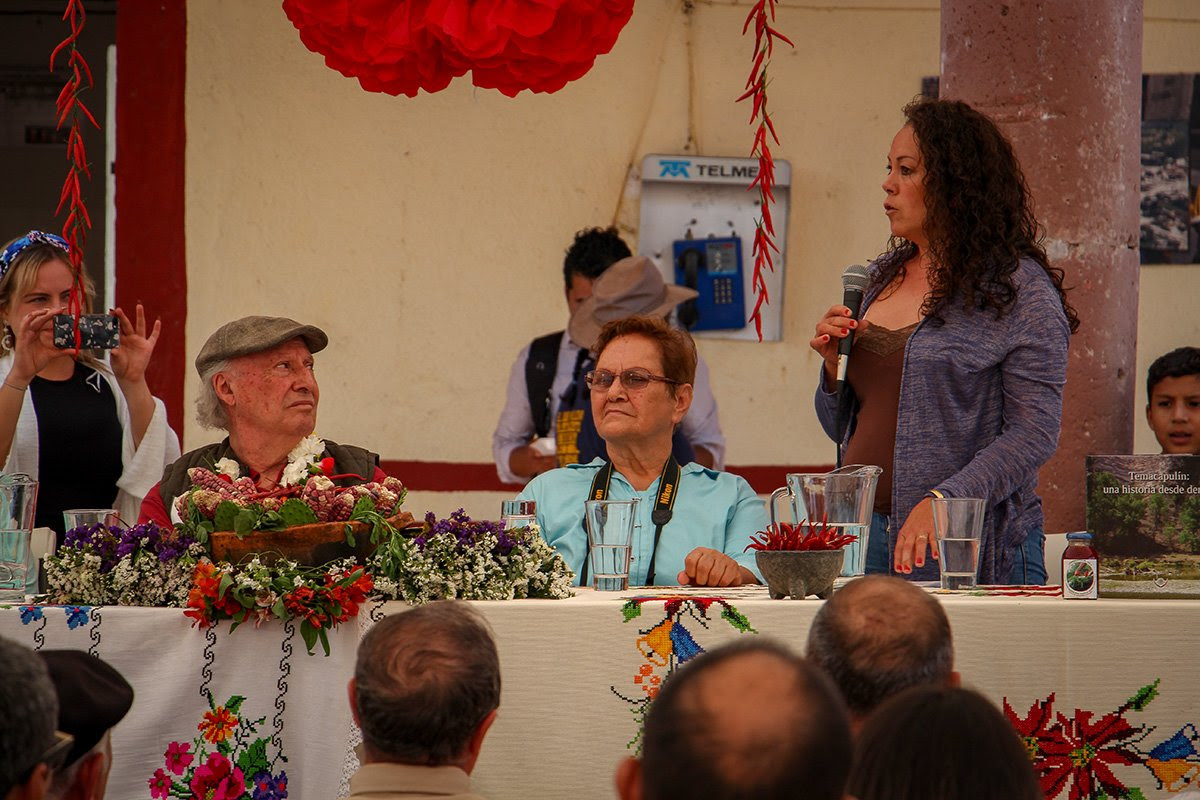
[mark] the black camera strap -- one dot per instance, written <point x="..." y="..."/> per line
<point x="664" y="504"/>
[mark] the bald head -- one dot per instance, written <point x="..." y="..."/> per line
<point x="746" y="720"/>
<point x="878" y="635"/>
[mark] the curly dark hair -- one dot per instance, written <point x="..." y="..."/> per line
<point x="979" y="216"/>
<point x="593" y="251"/>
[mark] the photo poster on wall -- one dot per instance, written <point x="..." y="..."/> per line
<point x="1170" y="167"/>
<point x="1143" y="512"/>
<point x="1170" y="178"/>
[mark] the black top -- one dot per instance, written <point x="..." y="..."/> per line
<point x="79" y="445"/>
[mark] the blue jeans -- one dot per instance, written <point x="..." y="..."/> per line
<point x="1029" y="560"/>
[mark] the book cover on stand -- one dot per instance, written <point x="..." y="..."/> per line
<point x="1143" y="512"/>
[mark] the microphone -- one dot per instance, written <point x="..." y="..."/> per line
<point x="854" y="283"/>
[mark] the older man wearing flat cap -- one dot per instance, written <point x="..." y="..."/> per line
<point x="257" y="383"/>
<point x="92" y="698"/>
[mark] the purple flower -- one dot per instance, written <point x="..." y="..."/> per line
<point x="270" y="787"/>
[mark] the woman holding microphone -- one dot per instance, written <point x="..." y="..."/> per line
<point x="960" y="353"/>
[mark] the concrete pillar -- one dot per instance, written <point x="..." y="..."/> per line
<point x="1063" y="80"/>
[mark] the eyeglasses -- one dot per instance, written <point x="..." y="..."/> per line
<point x="54" y="757"/>
<point x="633" y="380"/>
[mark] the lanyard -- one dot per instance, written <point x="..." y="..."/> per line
<point x="668" y="490"/>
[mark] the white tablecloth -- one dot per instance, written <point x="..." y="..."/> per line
<point x="577" y="672"/>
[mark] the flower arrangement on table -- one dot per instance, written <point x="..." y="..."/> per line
<point x="320" y="597"/>
<point x="469" y="560"/>
<point x="140" y="566"/>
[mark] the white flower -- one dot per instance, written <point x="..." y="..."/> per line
<point x="307" y="452"/>
<point x="227" y="466"/>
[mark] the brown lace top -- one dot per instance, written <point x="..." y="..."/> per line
<point x="874" y="373"/>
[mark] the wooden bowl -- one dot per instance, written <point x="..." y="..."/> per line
<point x="310" y="545"/>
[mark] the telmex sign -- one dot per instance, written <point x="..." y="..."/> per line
<point x="696" y="169"/>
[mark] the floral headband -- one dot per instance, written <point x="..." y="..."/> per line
<point x="25" y="242"/>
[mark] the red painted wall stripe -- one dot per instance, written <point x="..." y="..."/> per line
<point x="150" y="258"/>
<point x="446" y="476"/>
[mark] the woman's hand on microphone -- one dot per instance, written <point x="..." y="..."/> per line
<point x="833" y="327"/>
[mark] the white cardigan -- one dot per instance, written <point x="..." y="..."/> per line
<point x="142" y="467"/>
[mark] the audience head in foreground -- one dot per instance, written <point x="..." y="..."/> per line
<point x="92" y="698"/>
<point x="941" y="742"/>
<point x="30" y="748"/>
<point x="1173" y="401"/>
<point x="748" y="720"/>
<point x="425" y="691"/>
<point x="878" y="635"/>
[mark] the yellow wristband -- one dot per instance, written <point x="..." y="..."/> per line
<point x="937" y="494"/>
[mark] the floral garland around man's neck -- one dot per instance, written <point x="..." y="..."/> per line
<point x="304" y="460"/>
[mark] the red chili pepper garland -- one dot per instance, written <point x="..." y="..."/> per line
<point x="761" y="15"/>
<point x="800" y="537"/>
<point x="70" y="108"/>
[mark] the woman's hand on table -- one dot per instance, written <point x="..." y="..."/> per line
<point x="915" y="537"/>
<point x="707" y="567"/>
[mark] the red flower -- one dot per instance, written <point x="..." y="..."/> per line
<point x="217" y="779"/>
<point x="326" y="465"/>
<point x="1075" y="751"/>
<point x="178" y="757"/>
<point x="160" y="785"/>
<point x="509" y="45"/>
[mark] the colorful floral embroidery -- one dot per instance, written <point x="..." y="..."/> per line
<point x="667" y="644"/>
<point x="30" y="614"/>
<point x="1081" y="755"/>
<point x="226" y="761"/>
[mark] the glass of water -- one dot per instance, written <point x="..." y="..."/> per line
<point x="958" y="528"/>
<point x="610" y="525"/>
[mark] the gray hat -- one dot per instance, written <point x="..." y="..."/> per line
<point x="629" y="287"/>
<point x="253" y="335"/>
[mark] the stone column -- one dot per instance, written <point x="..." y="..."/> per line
<point x="1063" y="80"/>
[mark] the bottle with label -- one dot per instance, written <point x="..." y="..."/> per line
<point x="1080" y="568"/>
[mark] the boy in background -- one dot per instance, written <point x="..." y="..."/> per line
<point x="1173" y="401"/>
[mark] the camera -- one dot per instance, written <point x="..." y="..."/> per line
<point x="96" y="332"/>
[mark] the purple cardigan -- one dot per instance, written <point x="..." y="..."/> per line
<point x="980" y="409"/>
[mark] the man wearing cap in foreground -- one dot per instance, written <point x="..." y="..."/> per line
<point x="30" y="748"/>
<point x="92" y="699"/>
<point x="257" y="383"/>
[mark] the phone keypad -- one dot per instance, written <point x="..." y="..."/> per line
<point x="722" y="291"/>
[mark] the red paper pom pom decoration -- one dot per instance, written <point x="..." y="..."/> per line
<point x="508" y="45"/>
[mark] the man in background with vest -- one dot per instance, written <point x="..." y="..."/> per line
<point x="550" y="367"/>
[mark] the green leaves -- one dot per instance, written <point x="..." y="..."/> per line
<point x="631" y="610"/>
<point x="1144" y="695"/>
<point x="737" y="619"/>
<point x="223" y="519"/>
<point x="296" y="512"/>
<point x="253" y="759"/>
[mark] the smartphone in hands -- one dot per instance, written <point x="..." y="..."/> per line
<point x="96" y="332"/>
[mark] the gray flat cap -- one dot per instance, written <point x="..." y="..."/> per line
<point x="253" y="335"/>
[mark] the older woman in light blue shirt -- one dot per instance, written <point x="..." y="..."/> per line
<point x="640" y="390"/>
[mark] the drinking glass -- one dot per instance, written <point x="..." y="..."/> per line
<point x="517" y="513"/>
<point x="610" y="525"/>
<point x="87" y="517"/>
<point x="958" y="529"/>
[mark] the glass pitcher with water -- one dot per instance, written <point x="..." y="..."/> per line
<point x="18" y="498"/>
<point x="843" y="499"/>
